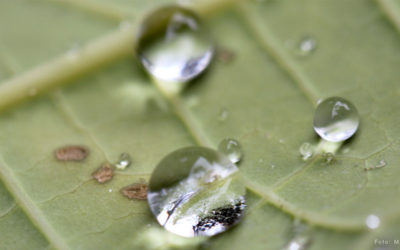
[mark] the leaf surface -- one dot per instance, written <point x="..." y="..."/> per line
<point x="265" y="97"/>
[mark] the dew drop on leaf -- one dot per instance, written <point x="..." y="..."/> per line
<point x="336" y="119"/>
<point x="173" y="45"/>
<point x="123" y="161"/>
<point x="306" y="151"/>
<point x="195" y="191"/>
<point x="300" y="238"/>
<point x="372" y="221"/>
<point x="306" y="46"/>
<point x="232" y="149"/>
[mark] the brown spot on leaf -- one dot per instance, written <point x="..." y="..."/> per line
<point x="72" y="153"/>
<point x="104" y="173"/>
<point x="225" y="55"/>
<point x="135" y="191"/>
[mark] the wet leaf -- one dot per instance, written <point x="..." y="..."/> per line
<point x="268" y="94"/>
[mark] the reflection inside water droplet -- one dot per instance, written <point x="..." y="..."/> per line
<point x="173" y="45"/>
<point x="123" y="161"/>
<point x="336" y="119"/>
<point x="195" y="191"/>
<point x="231" y="149"/>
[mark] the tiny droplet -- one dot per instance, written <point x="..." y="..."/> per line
<point x="173" y="45"/>
<point x="232" y="149"/>
<point x="198" y="196"/>
<point x="336" y="119"/>
<point x="124" y="161"/>
<point x="372" y="221"/>
<point x="306" y="151"/>
<point x="306" y="46"/>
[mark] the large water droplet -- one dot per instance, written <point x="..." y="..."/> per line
<point x="336" y="119"/>
<point x="232" y="149"/>
<point x="173" y="45"/>
<point x="195" y="191"/>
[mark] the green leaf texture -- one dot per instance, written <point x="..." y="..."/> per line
<point x="265" y="98"/>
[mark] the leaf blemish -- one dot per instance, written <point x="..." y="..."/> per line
<point x="71" y="153"/>
<point x="225" y="55"/>
<point x="104" y="173"/>
<point x="135" y="191"/>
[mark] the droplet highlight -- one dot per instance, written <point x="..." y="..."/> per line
<point x="173" y="45"/>
<point x="195" y="191"/>
<point x="336" y="119"/>
<point x="232" y="149"/>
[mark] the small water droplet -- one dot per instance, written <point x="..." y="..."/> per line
<point x="124" y="161"/>
<point x="336" y="119"/>
<point x="306" y="151"/>
<point x="372" y="221"/>
<point x="300" y="238"/>
<point x="232" y="149"/>
<point x="173" y="45"/>
<point x="110" y="190"/>
<point x="223" y="114"/>
<point x="306" y="46"/>
<point x="198" y="196"/>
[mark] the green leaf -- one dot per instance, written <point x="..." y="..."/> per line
<point x="265" y="97"/>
